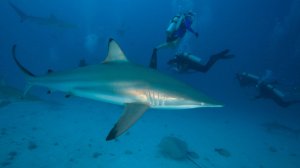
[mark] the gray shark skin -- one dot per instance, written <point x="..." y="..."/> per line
<point x="46" y="21"/>
<point x="118" y="81"/>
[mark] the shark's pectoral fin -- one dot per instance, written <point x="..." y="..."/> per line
<point x="132" y="112"/>
<point x="27" y="88"/>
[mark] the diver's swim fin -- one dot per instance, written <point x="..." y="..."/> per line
<point x="153" y="61"/>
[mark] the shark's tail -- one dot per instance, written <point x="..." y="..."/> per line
<point x="27" y="73"/>
<point x="22" y="68"/>
<point x="21" y="14"/>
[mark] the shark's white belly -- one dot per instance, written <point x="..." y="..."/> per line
<point x="117" y="93"/>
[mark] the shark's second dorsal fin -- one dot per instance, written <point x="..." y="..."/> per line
<point x="115" y="53"/>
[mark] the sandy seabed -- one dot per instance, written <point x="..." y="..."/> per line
<point x="72" y="134"/>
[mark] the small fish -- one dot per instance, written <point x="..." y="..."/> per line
<point x="276" y="127"/>
<point x="223" y="152"/>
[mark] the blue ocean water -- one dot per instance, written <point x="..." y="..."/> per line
<point x="49" y="130"/>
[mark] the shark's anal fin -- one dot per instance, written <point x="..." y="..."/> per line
<point x="132" y="112"/>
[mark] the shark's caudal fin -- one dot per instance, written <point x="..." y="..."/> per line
<point x="27" y="73"/>
<point x="22" y="68"/>
<point x="132" y="112"/>
<point x="115" y="52"/>
<point x="21" y="14"/>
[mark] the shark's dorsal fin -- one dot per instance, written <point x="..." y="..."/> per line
<point x="115" y="53"/>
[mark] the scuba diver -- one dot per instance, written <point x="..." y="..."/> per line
<point x="266" y="89"/>
<point x="246" y="79"/>
<point x="177" y="29"/>
<point x="183" y="61"/>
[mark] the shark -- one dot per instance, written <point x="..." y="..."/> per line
<point x="10" y="95"/>
<point x="46" y="21"/>
<point x="118" y="81"/>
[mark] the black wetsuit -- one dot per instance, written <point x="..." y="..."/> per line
<point x="269" y="91"/>
<point x="265" y="89"/>
<point x="184" y="63"/>
<point x="246" y="79"/>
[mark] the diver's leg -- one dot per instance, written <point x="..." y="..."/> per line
<point x="153" y="61"/>
<point x="284" y="103"/>
<point x="165" y="45"/>
<point x="170" y="44"/>
<point x="213" y="59"/>
<point x="204" y="68"/>
<point x="161" y="46"/>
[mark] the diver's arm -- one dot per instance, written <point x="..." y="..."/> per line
<point x="192" y="31"/>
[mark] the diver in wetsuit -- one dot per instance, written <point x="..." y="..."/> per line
<point x="246" y="79"/>
<point x="176" y="30"/>
<point x="266" y="89"/>
<point x="183" y="62"/>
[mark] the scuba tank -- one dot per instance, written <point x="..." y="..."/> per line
<point x="193" y="58"/>
<point x="279" y="93"/>
<point x="276" y="91"/>
<point x="250" y="76"/>
<point x="172" y="25"/>
<point x="246" y="79"/>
